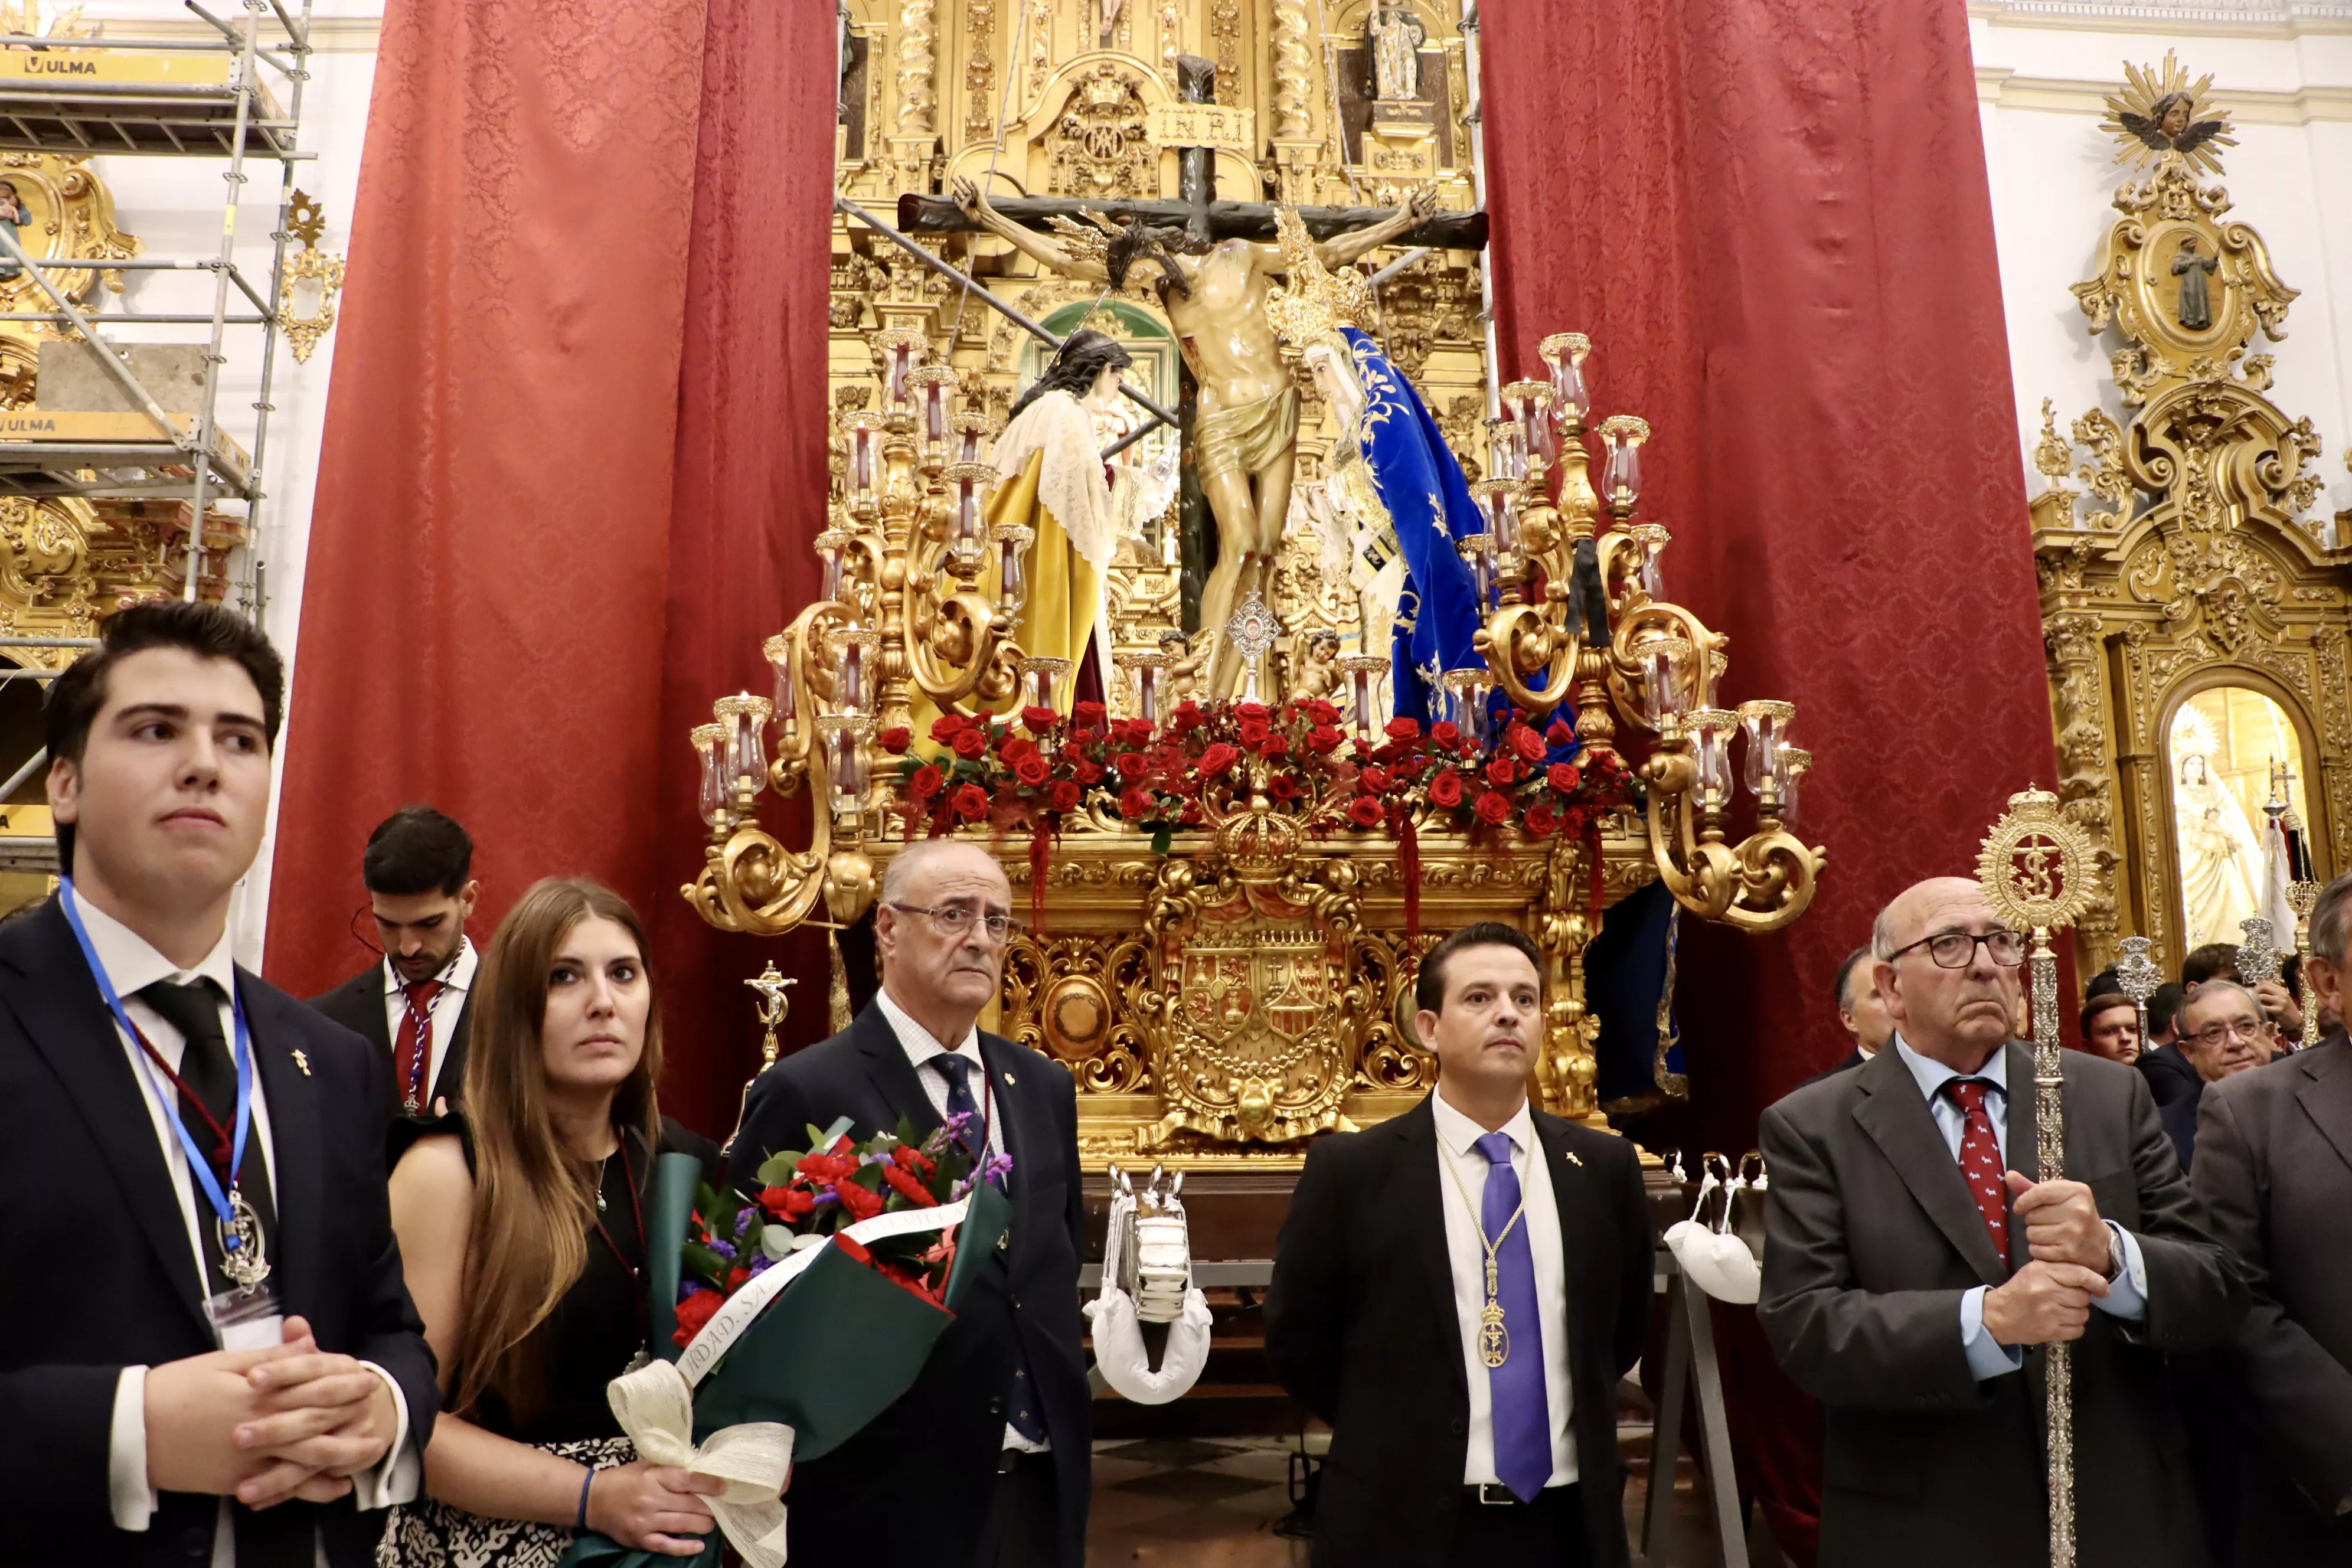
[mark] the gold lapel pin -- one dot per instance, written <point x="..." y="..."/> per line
<point x="303" y="1062"/>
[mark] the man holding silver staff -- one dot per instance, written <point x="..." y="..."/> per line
<point x="1916" y="1269"/>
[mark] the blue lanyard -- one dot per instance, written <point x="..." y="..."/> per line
<point x="200" y="1167"/>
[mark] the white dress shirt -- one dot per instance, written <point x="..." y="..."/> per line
<point x="131" y="966"/>
<point x="920" y="1047"/>
<point x="1457" y="1147"/>
<point x="457" y="978"/>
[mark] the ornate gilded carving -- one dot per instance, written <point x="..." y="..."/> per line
<point x="1292" y="120"/>
<point x="918" y="62"/>
<point x="1098" y="148"/>
<point x="1225" y="27"/>
<point x="310" y="275"/>
<point x="69" y="216"/>
<point x="980" y="71"/>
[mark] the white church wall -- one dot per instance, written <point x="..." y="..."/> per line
<point x="2283" y="68"/>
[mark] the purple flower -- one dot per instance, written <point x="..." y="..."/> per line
<point x="960" y="1190"/>
<point x="724" y="1250"/>
<point x="687" y="1287"/>
<point x="826" y="1199"/>
<point x="761" y="1264"/>
<point x="995" y="1168"/>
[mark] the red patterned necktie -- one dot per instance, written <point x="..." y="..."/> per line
<point x="1980" y="1159"/>
<point x="407" y="1069"/>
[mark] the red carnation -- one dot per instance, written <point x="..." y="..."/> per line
<point x="1364" y="811"/>
<point x="1492" y="807"/>
<point x="825" y="1167"/>
<point x="859" y="1201"/>
<point x="1444" y="733"/>
<point x="947" y="726"/>
<point x="1559" y="735"/>
<point x="787" y="1203"/>
<point x="1562" y="776"/>
<point x="1540" y="820"/>
<point x="1502" y="771"/>
<point x="904" y="1183"/>
<point x="695" y="1311"/>
<point x="1065" y="795"/>
<point x="1446" y="790"/>
<point x="908" y="1157"/>
<point x="1134" y="805"/>
<point x="853" y="1250"/>
<point x="1526" y="742"/>
<point x="925" y="783"/>
<point x="972" y="802"/>
<point x="1403" y="729"/>
<point x="1031" y="769"/>
<point x="1039" y="720"/>
<point x="1131" y="765"/>
<point x="895" y="740"/>
<point x="737" y="1279"/>
<point x="1217" y="758"/>
<point x="969" y="743"/>
<point x="1087" y="714"/>
<point x="1323" y="740"/>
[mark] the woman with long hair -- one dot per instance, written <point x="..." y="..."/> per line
<point x="522" y="1234"/>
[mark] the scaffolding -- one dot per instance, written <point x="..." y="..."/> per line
<point x="163" y="98"/>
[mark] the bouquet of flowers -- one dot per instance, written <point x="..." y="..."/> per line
<point x="785" y="1321"/>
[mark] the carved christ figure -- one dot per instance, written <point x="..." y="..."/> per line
<point x="1245" y="438"/>
<point x="2196" y="299"/>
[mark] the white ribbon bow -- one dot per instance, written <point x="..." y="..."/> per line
<point x="656" y="1410"/>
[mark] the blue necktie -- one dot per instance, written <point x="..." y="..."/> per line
<point x="1522" y="1423"/>
<point x="1021" y="1403"/>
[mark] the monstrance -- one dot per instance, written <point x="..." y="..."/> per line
<point x="2037" y="873"/>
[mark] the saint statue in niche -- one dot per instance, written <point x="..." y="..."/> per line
<point x="12" y="213"/>
<point x="1390" y="41"/>
<point x="2196" y="309"/>
<point x="2221" y="858"/>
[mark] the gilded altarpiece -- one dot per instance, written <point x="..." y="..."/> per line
<point x="2185" y="564"/>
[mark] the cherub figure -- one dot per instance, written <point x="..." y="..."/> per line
<point x="2166" y="128"/>
<point x="1318" y="667"/>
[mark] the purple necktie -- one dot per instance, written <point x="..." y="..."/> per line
<point x="1521" y="1421"/>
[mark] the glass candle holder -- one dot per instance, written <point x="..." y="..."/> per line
<point x="902" y="349"/>
<point x="1466" y="690"/>
<point x="971" y="428"/>
<point x="1621" y="481"/>
<point x="856" y="656"/>
<point x="778" y="651"/>
<point x="864" y="479"/>
<point x="709" y="747"/>
<point x="1564" y="355"/>
<point x="1039" y="679"/>
<point x="969" y="485"/>
<point x="1767" y="724"/>
<point x="1792" y="764"/>
<point x="1653" y="539"/>
<point x="933" y="387"/>
<point x="1477" y="553"/>
<point x="1710" y="730"/>
<point x="1506" y="448"/>
<point x="1364" y="671"/>
<point x="1012" y="540"/>
<point x="831" y="546"/>
<point x="743" y="717"/>
<point x="1500" y="499"/>
<point x="843" y="736"/>
<point x="1143" y="669"/>
<point x="1666" y="681"/>
<point x="1529" y="402"/>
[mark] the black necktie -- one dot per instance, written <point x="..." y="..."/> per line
<point x="1021" y="1402"/>
<point x="210" y="1075"/>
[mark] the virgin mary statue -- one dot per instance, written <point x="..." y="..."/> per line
<point x="2219" y="855"/>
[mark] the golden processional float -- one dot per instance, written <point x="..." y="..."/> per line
<point x="1226" y="983"/>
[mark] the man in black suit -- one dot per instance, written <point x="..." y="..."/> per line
<point x="2223" y="1032"/>
<point x="1861" y="1009"/>
<point x="2274" y="1170"/>
<point x="417" y="1007"/>
<point x="206" y="1352"/>
<point x="1001" y="1416"/>
<point x="1457" y="1292"/>
<point x="2161" y="1062"/>
<point x="1915" y="1265"/>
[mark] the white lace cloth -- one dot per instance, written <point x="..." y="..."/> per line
<point x="1071" y="483"/>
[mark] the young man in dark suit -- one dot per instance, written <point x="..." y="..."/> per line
<point x="1915" y="1266"/>
<point x="1457" y="1292"/>
<point x="1000" y="1413"/>
<point x="417" y="1007"/>
<point x="206" y="1352"/>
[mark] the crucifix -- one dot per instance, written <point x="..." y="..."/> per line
<point x="1213" y="278"/>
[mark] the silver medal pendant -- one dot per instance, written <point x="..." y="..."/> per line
<point x="243" y="1261"/>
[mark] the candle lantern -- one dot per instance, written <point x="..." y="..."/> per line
<point x="970" y="429"/>
<point x="1666" y="685"/>
<point x="857" y="654"/>
<point x="843" y="735"/>
<point x="1621" y="481"/>
<point x="1794" y="762"/>
<point x="1653" y="539"/>
<point x="968" y="531"/>
<point x="1564" y="355"/>
<point x="1767" y="725"/>
<point x="1506" y="448"/>
<point x="1039" y="676"/>
<point x="710" y="744"/>
<point x="934" y="397"/>
<point x="1013" y="542"/>
<point x="1711" y="729"/>
<point x="1364" y="671"/>
<point x="1500" y="500"/>
<point x="1466" y="688"/>
<point x="1477" y="553"/>
<point x="864" y="476"/>
<point x="902" y="349"/>
<point x="1529" y="402"/>
<point x="778" y="651"/>
<point x="830" y="546"/>
<point x="1143" y="667"/>
<point x="743" y="716"/>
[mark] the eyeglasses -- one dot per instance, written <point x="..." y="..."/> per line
<point x="1958" y="948"/>
<point x="2212" y="1034"/>
<point x="954" y="920"/>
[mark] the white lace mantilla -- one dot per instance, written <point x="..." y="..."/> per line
<point x="1070" y="485"/>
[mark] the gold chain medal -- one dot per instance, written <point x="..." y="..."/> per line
<point x="1494" y="1339"/>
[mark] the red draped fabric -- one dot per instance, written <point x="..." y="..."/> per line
<point x="1772" y="218"/>
<point x="574" y="441"/>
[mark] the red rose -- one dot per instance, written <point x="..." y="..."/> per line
<point x="695" y="1311"/>
<point x="1444" y="790"/>
<point x="1248" y="713"/>
<point x="1190" y="816"/>
<point x="859" y="1201"/>
<point x="1217" y="758"/>
<point x="1130" y="764"/>
<point x="1502" y="771"/>
<point x="1254" y="731"/>
<point x="1275" y="746"/>
<point x="1403" y="729"/>
<point x="906" y="1186"/>
<point x="947" y="726"/>
<point x="925" y="783"/>
<point x="1038" y="720"/>
<point x="1065" y="795"/>
<point x="1281" y="787"/>
<point x="1186" y="716"/>
<point x="1011" y="748"/>
<point x="1444" y="733"/>
<point x="1376" y="780"/>
<point x="1134" y="805"/>
<point x="1087" y="715"/>
<point x="1525" y="742"/>
<point x="972" y="802"/>
<point x="1033" y="770"/>
<point x="1087" y="773"/>
<point x="895" y="740"/>
<point x="969" y="743"/>
<point x="1134" y="735"/>
<point x="1559" y="735"/>
<point x="1323" y="740"/>
<point x="1321" y="712"/>
<point x="1364" y="811"/>
<point x="1540" y="820"/>
<point x="1562" y="776"/>
<point x="1492" y="807"/>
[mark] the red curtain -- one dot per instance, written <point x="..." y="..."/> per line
<point x="574" y="441"/>
<point x="1772" y="218"/>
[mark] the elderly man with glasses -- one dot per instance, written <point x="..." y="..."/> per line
<point x="1917" y="1266"/>
<point x="1000" y="1415"/>
<point x="2224" y="1030"/>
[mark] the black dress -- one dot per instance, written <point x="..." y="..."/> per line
<point x="591" y="1337"/>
